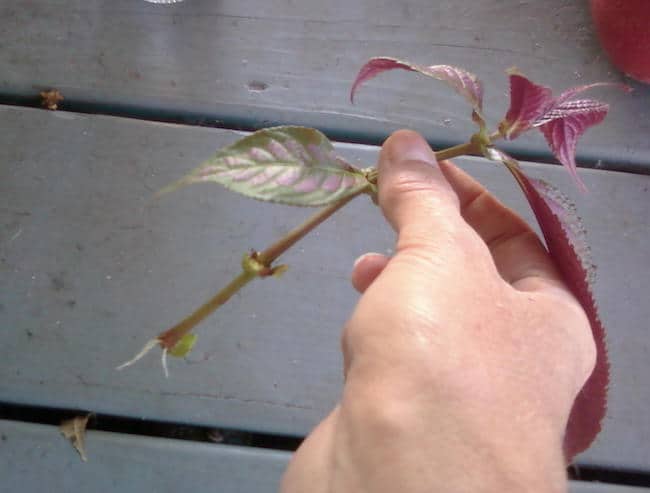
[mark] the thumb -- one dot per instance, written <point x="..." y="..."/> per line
<point x="414" y="195"/>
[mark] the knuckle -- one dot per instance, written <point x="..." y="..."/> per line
<point x="408" y="182"/>
<point x="402" y="188"/>
<point x="569" y="326"/>
<point x="446" y="239"/>
<point x="381" y="415"/>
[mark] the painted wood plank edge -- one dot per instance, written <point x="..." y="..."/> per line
<point x="36" y="457"/>
<point x="296" y="63"/>
<point x="238" y="118"/>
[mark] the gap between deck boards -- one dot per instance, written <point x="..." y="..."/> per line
<point x="204" y="434"/>
<point x="150" y="428"/>
<point x="228" y="122"/>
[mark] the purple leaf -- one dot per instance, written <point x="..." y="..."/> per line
<point x="528" y="103"/>
<point x="570" y="108"/>
<point x="570" y="93"/>
<point x="464" y="83"/>
<point x="288" y="165"/>
<point x="565" y="240"/>
<point x="562" y="135"/>
<point x="561" y="120"/>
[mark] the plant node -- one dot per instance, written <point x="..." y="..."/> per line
<point x="252" y="264"/>
<point x="480" y="142"/>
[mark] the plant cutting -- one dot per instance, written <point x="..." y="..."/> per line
<point x="298" y="166"/>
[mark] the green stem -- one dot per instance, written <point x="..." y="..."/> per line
<point x="468" y="148"/>
<point x="171" y="337"/>
<point x="496" y="135"/>
<point x="279" y="247"/>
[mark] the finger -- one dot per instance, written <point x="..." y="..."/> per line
<point x="414" y="195"/>
<point x="366" y="269"/>
<point x="518" y="253"/>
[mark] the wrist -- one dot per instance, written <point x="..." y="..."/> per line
<point x="522" y="460"/>
<point x="456" y="447"/>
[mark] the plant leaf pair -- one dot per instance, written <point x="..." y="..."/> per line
<point x="561" y="120"/>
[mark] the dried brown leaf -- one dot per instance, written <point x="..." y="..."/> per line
<point x="51" y="99"/>
<point x="74" y="430"/>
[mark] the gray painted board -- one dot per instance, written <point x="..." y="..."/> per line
<point x="37" y="458"/>
<point x="578" y="487"/>
<point x="91" y="269"/>
<point x="250" y="62"/>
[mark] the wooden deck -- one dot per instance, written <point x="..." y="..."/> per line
<point x="131" y="464"/>
<point x="90" y="268"/>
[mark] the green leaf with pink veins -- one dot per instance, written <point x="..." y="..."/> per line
<point x="287" y="165"/>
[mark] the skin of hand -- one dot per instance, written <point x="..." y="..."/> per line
<point x="463" y="356"/>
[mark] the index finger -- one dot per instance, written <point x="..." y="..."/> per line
<point x="518" y="253"/>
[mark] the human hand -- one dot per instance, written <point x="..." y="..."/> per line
<point x="463" y="356"/>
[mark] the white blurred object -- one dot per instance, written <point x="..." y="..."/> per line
<point x="163" y="1"/>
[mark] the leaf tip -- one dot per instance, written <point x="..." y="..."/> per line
<point x="372" y="68"/>
<point x="172" y="187"/>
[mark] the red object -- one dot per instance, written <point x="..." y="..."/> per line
<point x="624" y="30"/>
